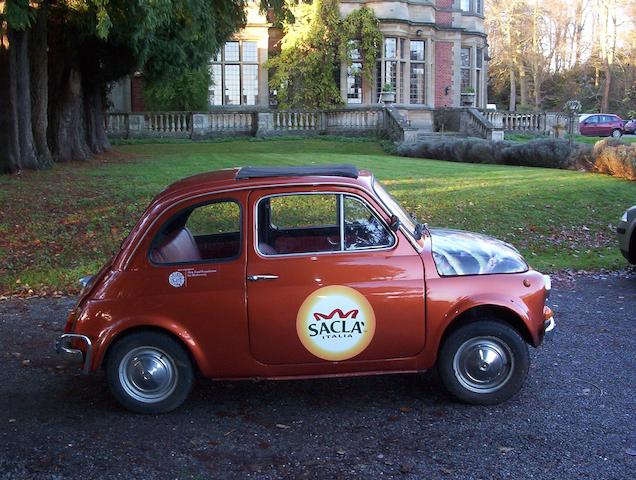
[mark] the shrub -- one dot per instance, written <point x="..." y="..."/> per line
<point x="614" y="157"/>
<point x="549" y="153"/>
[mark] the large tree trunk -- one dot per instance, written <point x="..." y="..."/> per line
<point x="523" y="85"/>
<point x="94" y="114"/>
<point x="18" y="42"/>
<point x="513" y="90"/>
<point x="606" y="87"/>
<point x="9" y="144"/>
<point x="67" y="134"/>
<point x="38" y="57"/>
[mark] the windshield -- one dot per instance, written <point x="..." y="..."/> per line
<point x="394" y="207"/>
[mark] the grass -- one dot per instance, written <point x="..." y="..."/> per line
<point x="526" y="137"/>
<point x="60" y="224"/>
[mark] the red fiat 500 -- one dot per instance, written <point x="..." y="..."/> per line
<point x="303" y="272"/>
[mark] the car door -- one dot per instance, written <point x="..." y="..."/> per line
<point x="329" y="281"/>
<point x="590" y="126"/>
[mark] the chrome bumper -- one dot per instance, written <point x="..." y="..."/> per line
<point x="63" y="345"/>
<point x="548" y="328"/>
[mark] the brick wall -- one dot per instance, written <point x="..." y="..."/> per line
<point x="444" y="18"/>
<point x="443" y="74"/>
<point x="136" y="95"/>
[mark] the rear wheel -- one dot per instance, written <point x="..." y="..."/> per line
<point x="616" y="133"/>
<point x="149" y="372"/>
<point x="484" y="363"/>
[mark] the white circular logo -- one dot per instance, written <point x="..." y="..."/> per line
<point x="176" y="279"/>
<point x="335" y="323"/>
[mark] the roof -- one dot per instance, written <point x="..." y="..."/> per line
<point x="341" y="170"/>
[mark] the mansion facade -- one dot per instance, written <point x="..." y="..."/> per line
<point x="433" y="54"/>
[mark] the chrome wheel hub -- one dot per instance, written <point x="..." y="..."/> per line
<point x="483" y="364"/>
<point x="147" y="374"/>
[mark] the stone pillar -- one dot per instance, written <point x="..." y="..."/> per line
<point x="264" y="124"/>
<point x="200" y="125"/>
<point x="136" y="125"/>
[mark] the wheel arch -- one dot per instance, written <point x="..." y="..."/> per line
<point x="477" y="312"/>
<point x="193" y="353"/>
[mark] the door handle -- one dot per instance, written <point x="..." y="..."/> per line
<point x="256" y="278"/>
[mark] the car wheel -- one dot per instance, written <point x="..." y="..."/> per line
<point x="484" y="362"/>
<point x="616" y="133"/>
<point x="149" y="372"/>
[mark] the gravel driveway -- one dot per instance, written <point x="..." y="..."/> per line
<point x="575" y="417"/>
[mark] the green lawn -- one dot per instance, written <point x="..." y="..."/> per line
<point x="59" y="224"/>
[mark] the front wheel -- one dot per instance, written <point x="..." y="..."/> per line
<point x="483" y="363"/>
<point x="616" y="133"/>
<point x="149" y="372"/>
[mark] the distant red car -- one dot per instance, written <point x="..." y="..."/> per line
<point x="296" y="272"/>
<point x="630" y="127"/>
<point x="602" y="125"/>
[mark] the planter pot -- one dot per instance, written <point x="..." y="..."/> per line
<point x="387" y="97"/>
<point x="468" y="99"/>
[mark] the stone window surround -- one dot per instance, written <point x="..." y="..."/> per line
<point x="403" y="74"/>
<point x="479" y="102"/>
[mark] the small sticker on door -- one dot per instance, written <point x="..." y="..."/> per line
<point x="335" y="323"/>
<point x="176" y="279"/>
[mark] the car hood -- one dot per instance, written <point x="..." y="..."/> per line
<point x="465" y="253"/>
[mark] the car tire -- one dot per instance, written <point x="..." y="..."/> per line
<point x="484" y="362"/>
<point x="616" y="133"/>
<point x="149" y="372"/>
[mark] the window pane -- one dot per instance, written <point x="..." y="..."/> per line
<point x="354" y="50"/>
<point x="300" y="211"/>
<point x="390" y="74"/>
<point x="250" y="84"/>
<point x="417" y="50"/>
<point x="209" y="232"/>
<point x="418" y="83"/>
<point x="220" y="217"/>
<point x="232" y="85"/>
<point x="298" y="224"/>
<point x="231" y="52"/>
<point x="465" y="79"/>
<point x="250" y="52"/>
<point x="217" y="56"/>
<point x="479" y="6"/>
<point x="390" y="48"/>
<point x="362" y="228"/>
<point x="354" y="83"/>
<point x="464" y="5"/>
<point x="378" y="81"/>
<point x="478" y="88"/>
<point x="480" y="57"/>
<point x="215" y="95"/>
<point x="465" y="56"/>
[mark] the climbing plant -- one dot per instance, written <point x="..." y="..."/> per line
<point x="316" y="44"/>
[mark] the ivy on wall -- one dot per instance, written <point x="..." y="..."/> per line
<point x="317" y="42"/>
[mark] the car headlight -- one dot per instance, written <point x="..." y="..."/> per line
<point x="624" y="217"/>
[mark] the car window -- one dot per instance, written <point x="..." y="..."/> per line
<point x="363" y="229"/>
<point x="592" y="119"/>
<point x="312" y="223"/>
<point x="209" y="232"/>
<point x="304" y="211"/>
<point x="300" y="223"/>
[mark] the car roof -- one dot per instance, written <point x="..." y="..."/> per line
<point x="253" y="177"/>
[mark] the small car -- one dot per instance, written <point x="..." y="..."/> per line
<point x="297" y="272"/>
<point x="605" y="125"/>
<point x="630" y="127"/>
<point x="626" y="232"/>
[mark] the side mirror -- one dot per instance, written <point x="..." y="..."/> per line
<point x="395" y="223"/>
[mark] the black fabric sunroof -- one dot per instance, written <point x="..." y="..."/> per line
<point x="342" y="170"/>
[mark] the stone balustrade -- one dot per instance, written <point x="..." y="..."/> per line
<point x="243" y="122"/>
